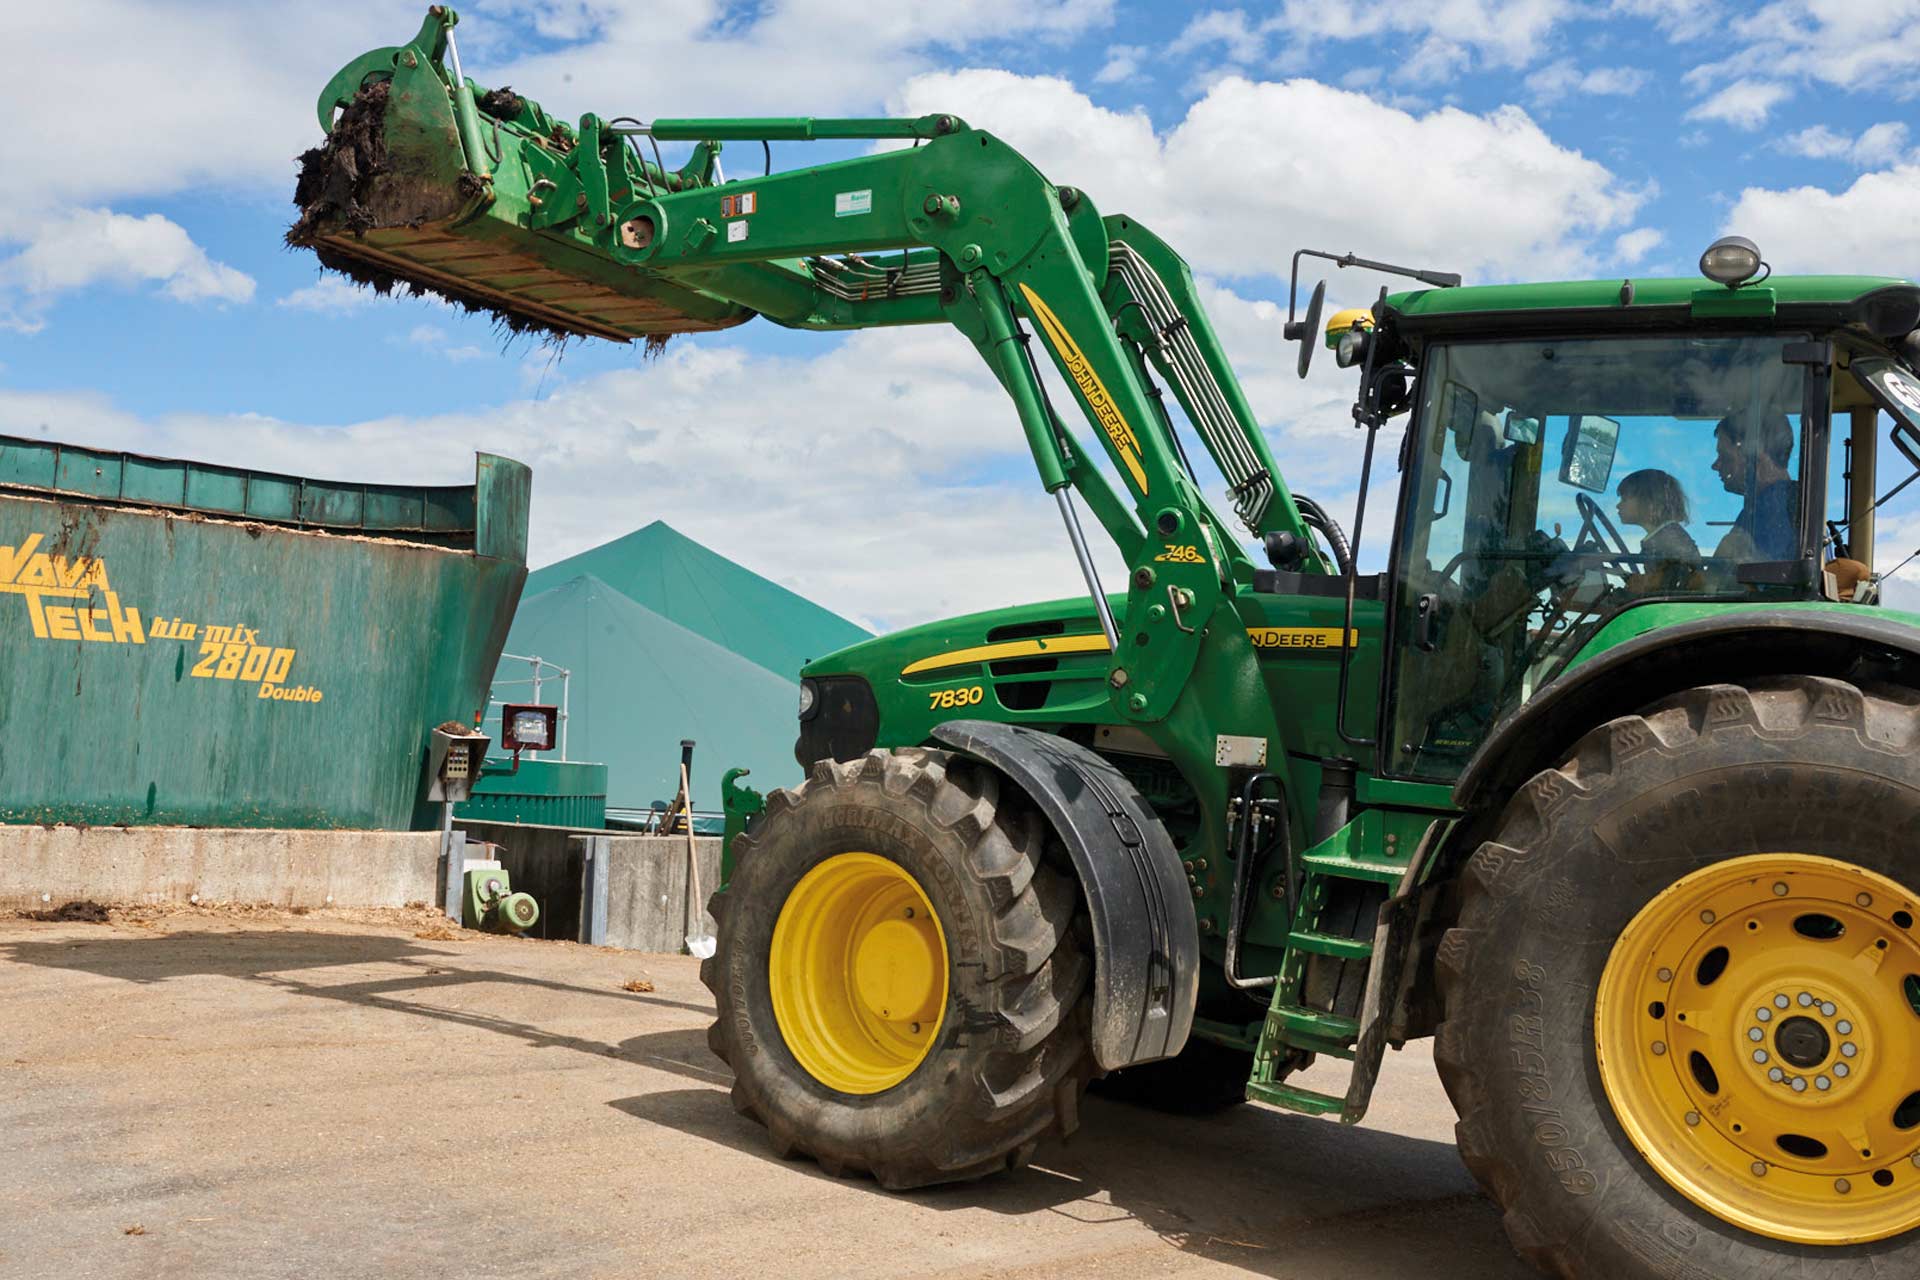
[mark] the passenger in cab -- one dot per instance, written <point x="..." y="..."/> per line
<point x="1652" y="500"/>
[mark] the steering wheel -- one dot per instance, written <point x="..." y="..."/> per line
<point x="1593" y="523"/>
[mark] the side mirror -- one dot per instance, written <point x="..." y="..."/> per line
<point x="1519" y="430"/>
<point x="1307" y="332"/>
<point x="1459" y="414"/>
<point x="1587" y="459"/>
<point x="1905" y="438"/>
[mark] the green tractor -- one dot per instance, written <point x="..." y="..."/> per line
<point x="1608" y="780"/>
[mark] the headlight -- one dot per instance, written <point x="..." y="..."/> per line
<point x="809" y="699"/>
<point x="1351" y="348"/>
<point x="1731" y="261"/>
<point x="1347" y="334"/>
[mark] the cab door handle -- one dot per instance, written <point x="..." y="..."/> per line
<point x="1426" y="613"/>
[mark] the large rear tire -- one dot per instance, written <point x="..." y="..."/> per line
<point x="1629" y="1089"/>
<point x="870" y="1037"/>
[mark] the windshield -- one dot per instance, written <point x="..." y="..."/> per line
<point x="1551" y="484"/>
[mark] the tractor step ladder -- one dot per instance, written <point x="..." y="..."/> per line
<point x="1358" y="852"/>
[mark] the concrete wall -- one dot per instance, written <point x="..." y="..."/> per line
<point x="41" y="866"/>
<point x="649" y="902"/>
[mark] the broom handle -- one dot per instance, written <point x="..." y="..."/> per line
<point x="693" y="859"/>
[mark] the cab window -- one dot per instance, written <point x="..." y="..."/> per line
<point x="1553" y="483"/>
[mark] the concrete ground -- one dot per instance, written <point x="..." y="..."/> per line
<point x="207" y="1094"/>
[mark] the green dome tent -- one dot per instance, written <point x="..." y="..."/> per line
<point x="662" y="569"/>
<point x="641" y="682"/>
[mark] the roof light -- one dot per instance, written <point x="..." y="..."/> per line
<point x="1731" y="261"/>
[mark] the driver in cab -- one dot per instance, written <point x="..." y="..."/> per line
<point x="1750" y="457"/>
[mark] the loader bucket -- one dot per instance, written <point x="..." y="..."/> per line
<point x="428" y="185"/>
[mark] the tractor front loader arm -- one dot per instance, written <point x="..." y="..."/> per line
<point x="584" y="230"/>
<point x="1004" y="265"/>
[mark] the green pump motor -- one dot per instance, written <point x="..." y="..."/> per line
<point x="494" y="906"/>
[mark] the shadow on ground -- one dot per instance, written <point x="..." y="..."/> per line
<point x="1272" y="1193"/>
<point x="278" y="958"/>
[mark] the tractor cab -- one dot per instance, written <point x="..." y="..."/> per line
<point x="1574" y="452"/>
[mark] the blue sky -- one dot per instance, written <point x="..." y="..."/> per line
<point x="146" y="300"/>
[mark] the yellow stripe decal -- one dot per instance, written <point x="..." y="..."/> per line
<point x="1040" y="647"/>
<point x="1104" y="410"/>
<point x="1298" y="637"/>
<point x="1047" y="646"/>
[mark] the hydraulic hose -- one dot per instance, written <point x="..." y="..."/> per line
<point x="1317" y="519"/>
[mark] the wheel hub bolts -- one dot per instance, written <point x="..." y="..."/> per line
<point x="1802" y="1042"/>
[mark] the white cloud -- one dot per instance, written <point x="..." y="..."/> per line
<point x="706" y="57"/>
<point x="1816" y="142"/>
<point x="75" y="248"/>
<point x="1237" y="39"/>
<point x="1678" y="19"/>
<point x="242" y="125"/>
<point x="1563" y="78"/>
<point x="331" y="294"/>
<point x="1637" y="244"/>
<point x="1450" y="33"/>
<point x="1882" y="143"/>
<point x="433" y="338"/>
<point x="1852" y="46"/>
<point x="1436" y="61"/>
<point x="1744" y="104"/>
<point x="1497" y="197"/>
<point x="1849" y="46"/>
<point x="1869" y="227"/>
<point x="1877" y="145"/>
<point x="1122" y="65"/>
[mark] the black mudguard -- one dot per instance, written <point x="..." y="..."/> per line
<point x="1145" y="936"/>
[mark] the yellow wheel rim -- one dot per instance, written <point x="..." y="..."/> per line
<point x="858" y="973"/>
<point x="1758" y="1031"/>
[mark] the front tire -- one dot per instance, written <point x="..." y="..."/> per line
<point x="823" y="945"/>
<point x="1628" y="930"/>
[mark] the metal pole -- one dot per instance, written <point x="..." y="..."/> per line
<point x="1860" y="484"/>
<point x="566" y="684"/>
<point x="1065" y="498"/>
<point x="453" y="847"/>
<point x="537" y="664"/>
